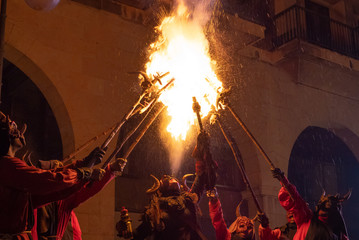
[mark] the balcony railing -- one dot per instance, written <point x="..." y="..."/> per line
<point x="300" y="23"/>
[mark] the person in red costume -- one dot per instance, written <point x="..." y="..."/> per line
<point x="325" y="223"/>
<point x="286" y="232"/>
<point x="241" y="229"/>
<point x="57" y="220"/>
<point x="20" y="182"/>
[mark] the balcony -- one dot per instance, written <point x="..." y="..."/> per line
<point x="300" y="23"/>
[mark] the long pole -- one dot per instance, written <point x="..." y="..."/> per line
<point x="143" y="131"/>
<point x="67" y="160"/>
<point x="238" y="158"/>
<point x="117" y="150"/>
<point x="119" y="146"/>
<point x="2" y="38"/>
<point x="241" y="123"/>
<point x="250" y="135"/>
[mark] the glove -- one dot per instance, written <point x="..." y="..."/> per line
<point x="203" y="139"/>
<point x="118" y="165"/>
<point x="212" y="194"/>
<point x="50" y="164"/>
<point x="202" y="146"/>
<point x="84" y="174"/>
<point x="94" y="158"/>
<point x="97" y="174"/>
<point x="262" y="219"/>
<point x="277" y="173"/>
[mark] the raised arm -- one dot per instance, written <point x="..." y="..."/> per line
<point x="216" y="214"/>
<point x="265" y="232"/>
<point x="291" y="200"/>
<point x="37" y="181"/>
<point x="92" y="188"/>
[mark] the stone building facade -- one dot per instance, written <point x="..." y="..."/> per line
<point x="293" y="67"/>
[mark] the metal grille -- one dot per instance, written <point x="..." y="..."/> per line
<point x="300" y="23"/>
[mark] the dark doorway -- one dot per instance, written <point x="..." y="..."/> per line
<point x="321" y="161"/>
<point x="318" y="24"/>
<point x="24" y="103"/>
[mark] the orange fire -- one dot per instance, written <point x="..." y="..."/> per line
<point x="182" y="50"/>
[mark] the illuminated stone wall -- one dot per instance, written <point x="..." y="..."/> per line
<point x="79" y="57"/>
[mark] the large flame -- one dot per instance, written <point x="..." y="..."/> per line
<point x="182" y="50"/>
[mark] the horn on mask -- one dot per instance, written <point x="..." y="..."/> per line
<point x="345" y="196"/>
<point x="184" y="182"/>
<point x="155" y="186"/>
<point x="2" y="116"/>
<point x="23" y="129"/>
<point x="238" y="209"/>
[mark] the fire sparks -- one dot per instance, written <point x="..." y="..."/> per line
<point x="182" y="50"/>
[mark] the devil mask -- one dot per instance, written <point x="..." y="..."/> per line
<point x="10" y="131"/>
<point x="242" y="228"/>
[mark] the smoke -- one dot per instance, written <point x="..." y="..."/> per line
<point x="176" y="155"/>
<point x="201" y="10"/>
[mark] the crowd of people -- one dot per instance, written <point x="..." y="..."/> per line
<point x="172" y="212"/>
<point x="38" y="200"/>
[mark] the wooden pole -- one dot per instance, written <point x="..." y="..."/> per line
<point x="2" y="39"/>
<point x="238" y="158"/>
<point x="143" y="131"/>
<point x="250" y="135"/>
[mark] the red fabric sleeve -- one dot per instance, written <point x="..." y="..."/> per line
<point x="291" y="200"/>
<point x="89" y="190"/>
<point x="41" y="200"/>
<point x="344" y="237"/>
<point x="268" y="234"/>
<point x="215" y="212"/>
<point x="30" y="179"/>
<point x="34" y="228"/>
<point x="75" y="227"/>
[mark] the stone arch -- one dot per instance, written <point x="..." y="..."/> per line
<point x="41" y="80"/>
<point x="323" y="159"/>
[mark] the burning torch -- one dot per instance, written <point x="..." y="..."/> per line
<point x="203" y="139"/>
<point x="149" y="106"/>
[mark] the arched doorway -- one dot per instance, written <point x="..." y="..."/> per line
<point x="322" y="161"/>
<point x="24" y="102"/>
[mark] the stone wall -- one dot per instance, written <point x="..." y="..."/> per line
<point x="79" y="58"/>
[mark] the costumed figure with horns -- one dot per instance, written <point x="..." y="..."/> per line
<point x="23" y="187"/>
<point x="325" y="223"/>
<point x="172" y="212"/>
<point x="241" y="229"/>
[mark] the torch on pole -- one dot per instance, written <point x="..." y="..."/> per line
<point x="237" y="157"/>
<point x="119" y="146"/>
<point x="145" y="100"/>
<point x="143" y="131"/>
<point x="224" y="101"/>
<point x="148" y="108"/>
<point x="210" y="164"/>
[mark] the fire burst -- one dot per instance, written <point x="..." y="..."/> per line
<point x="182" y="50"/>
